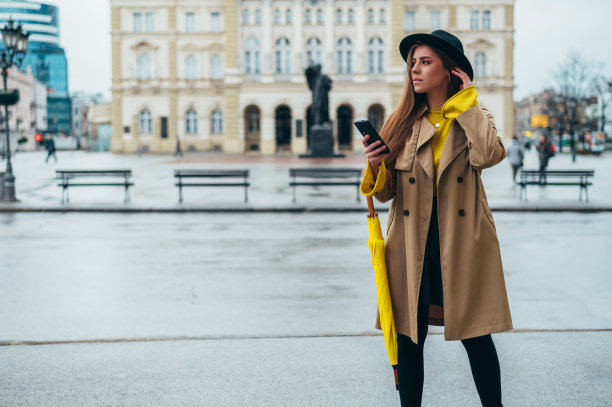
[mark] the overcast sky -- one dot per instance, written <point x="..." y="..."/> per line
<point x="545" y="31"/>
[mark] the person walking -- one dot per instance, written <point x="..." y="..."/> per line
<point x="50" y="146"/>
<point x="545" y="151"/>
<point x="516" y="153"/>
<point x="442" y="253"/>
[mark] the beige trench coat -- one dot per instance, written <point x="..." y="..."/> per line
<point x="475" y="298"/>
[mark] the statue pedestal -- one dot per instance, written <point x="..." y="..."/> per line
<point x="322" y="142"/>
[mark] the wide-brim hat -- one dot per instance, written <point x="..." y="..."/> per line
<point x="445" y="42"/>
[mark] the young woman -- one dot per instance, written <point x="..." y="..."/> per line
<point x="442" y="253"/>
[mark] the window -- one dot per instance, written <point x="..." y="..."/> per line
<point x="149" y="22"/>
<point x="258" y="16"/>
<point x="216" y="124"/>
<point x="474" y="20"/>
<point x="191" y="71"/>
<point x="382" y="17"/>
<point x="481" y="65"/>
<point x="137" y="22"/>
<point x="486" y="20"/>
<point x="144" y="122"/>
<point x="191" y="122"/>
<point x="351" y="16"/>
<point x="435" y="20"/>
<point x="276" y="16"/>
<point x="319" y="16"/>
<point x="288" y="16"/>
<point x="251" y="56"/>
<point x="144" y="66"/>
<point x="409" y="20"/>
<point x="338" y="16"/>
<point x="313" y="51"/>
<point x="190" y="22"/>
<point x="216" y="67"/>
<point x="215" y="22"/>
<point x="370" y="16"/>
<point x="375" y="55"/>
<point x="245" y="16"/>
<point x="344" y="56"/>
<point x="282" y="56"/>
<point x="308" y="16"/>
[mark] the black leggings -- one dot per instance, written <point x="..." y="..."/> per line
<point x="481" y="353"/>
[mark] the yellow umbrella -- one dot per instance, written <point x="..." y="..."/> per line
<point x="376" y="243"/>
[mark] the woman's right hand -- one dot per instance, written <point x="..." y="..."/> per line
<point x="372" y="152"/>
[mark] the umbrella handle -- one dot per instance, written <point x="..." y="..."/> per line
<point x="371" y="212"/>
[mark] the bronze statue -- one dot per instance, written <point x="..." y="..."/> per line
<point x="320" y="85"/>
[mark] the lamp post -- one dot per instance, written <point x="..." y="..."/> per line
<point x="15" y="44"/>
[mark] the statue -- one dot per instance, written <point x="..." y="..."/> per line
<point x="321" y="132"/>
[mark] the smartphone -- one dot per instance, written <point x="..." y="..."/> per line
<point x="365" y="127"/>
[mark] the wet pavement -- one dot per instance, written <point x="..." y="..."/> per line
<point x="277" y="309"/>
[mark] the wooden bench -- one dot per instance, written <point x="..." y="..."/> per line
<point x="321" y="176"/>
<point x="67" y="177"/>
<point x="581" y="178"/>
<point x="192" y="174"/>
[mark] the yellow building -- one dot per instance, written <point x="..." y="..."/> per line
<point x="229" y="75"/>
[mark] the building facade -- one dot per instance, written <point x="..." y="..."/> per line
<point x="44" y="56"/>
<point x="229" y="75"/>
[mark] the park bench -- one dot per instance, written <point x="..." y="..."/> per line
<point x="321" y="176"/>
<point x="67" y="177"/>
<point x="183" y="175"/>
<point x="581" y="178"/>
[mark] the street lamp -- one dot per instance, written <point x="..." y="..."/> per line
<point x="15" y="43"/>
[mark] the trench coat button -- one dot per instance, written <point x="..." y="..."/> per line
<point x="460" y="180"/>
<point x="406" y="213"/>
<point x="411" y="180"/>
<point x="461" y="212"/>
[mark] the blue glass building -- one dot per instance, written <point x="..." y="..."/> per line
<point x="45" y="55"/>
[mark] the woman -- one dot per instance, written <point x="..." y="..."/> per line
<point x="442" y="253"/>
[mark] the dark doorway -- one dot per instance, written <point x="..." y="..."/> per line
<point x="308" y="124"/>
<point x="283" y="126"/>
<point x="252" y="134"/>
<point x="376" y="116"/>
<point x="345" y="126"/>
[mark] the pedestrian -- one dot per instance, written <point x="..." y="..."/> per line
<point x="545" y="151"/>
<point x="442" y="253"/>
<point x="516" y="153"/>
<point x="178" y="150"/>
<point x="50" y="146"/>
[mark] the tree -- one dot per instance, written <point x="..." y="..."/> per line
<point x="602" y="87"/>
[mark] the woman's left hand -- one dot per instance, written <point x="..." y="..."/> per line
<point x="465" y="79"/>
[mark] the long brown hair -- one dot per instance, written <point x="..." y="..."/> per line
<point x="397" y="129"/>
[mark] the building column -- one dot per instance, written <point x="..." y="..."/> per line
<point x="268" y="133"/>
<point x="117" y="96"/>
<point x="267" y="64"/>
<point x="360" y="23"/>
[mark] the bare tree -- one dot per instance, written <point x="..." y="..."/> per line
<point x="602" y="88"/>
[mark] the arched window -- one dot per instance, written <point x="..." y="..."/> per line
<point x="216" y="124"/>
<point x="191" y="70"/>
<point x="144" y="122"/>
<point x="313" y="51"/>
<point x="319" y="16"/>
<point x="191" y="122"/>
<point x="351" y="16"/>
<point x="251" y="56"/>
<point x="370" y="16"/>
<point x="375" y="55"/>
<point x="144" y="66"/>
<point x="382" y="16"/>
<point x="474" y="20"/>
<point x="308" y="16"/>
<point x="216" y="67"/>
<point x="245" y="16"/>
<point x="481" y="64"/>
<point x="282" y="56"/>
<point x="486" y="20"/>
<point x="345" y="56"/>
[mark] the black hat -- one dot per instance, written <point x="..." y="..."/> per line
<point x="445" y="42"/>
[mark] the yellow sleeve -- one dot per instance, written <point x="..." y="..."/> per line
<point x="369" y="187"/>
<point x="460" y="102"/>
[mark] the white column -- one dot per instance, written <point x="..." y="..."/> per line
<point x="360" y="55"/>
<point x="297" y="46"/>
<point x="329" y="43"/>
<point x="266" y="54"/>
<point x="268" y="134"/>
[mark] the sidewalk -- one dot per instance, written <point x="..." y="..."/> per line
<point x="154" y="189"/>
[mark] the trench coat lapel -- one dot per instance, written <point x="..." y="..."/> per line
<point x="455" y="143"/>
<point x="424" y="154"/>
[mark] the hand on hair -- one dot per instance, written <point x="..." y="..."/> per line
<point x="465" y="79"/>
